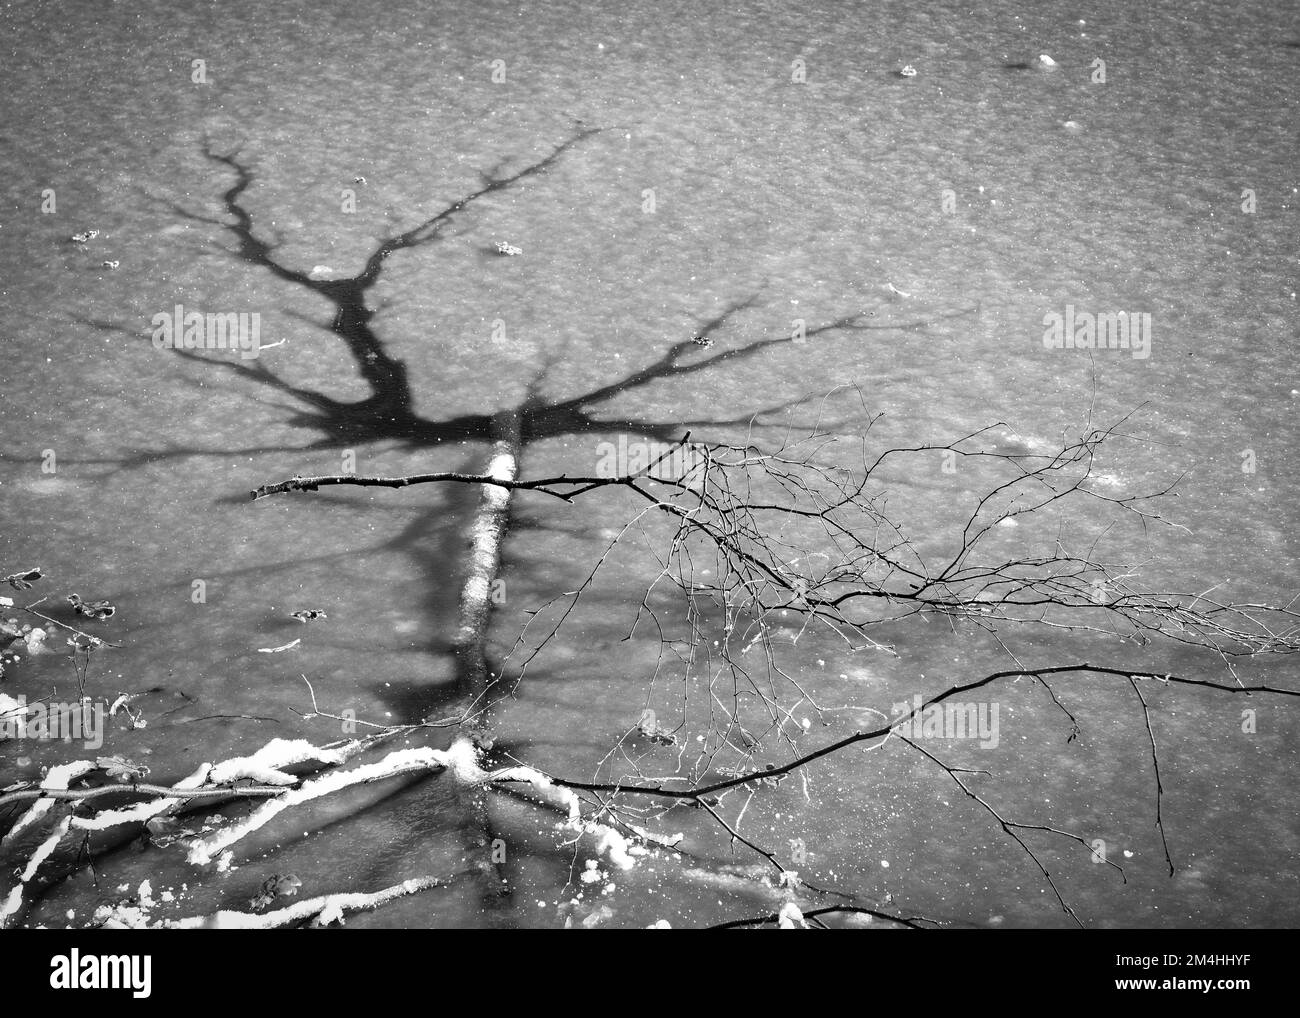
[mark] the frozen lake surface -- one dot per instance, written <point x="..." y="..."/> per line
<point x="959" y="206"/>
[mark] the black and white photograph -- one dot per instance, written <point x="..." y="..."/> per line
<point x="590" y="465"/>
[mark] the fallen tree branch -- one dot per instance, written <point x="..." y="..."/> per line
<point x="487" y="537"/>
<point x="697" y="791"/>
<point x="1155" y="763"/>
<point x="323" y="910"/>
<point x="911" y="922"/>
<point x="459" y="756"/>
